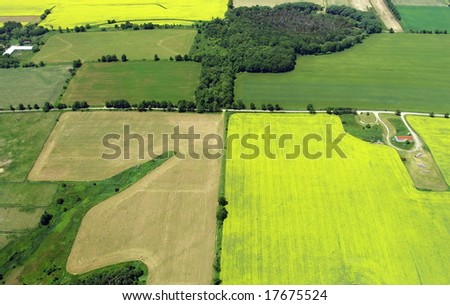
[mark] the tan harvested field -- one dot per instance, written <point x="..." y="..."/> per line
<point x="166" y="220"/>
<point x="16" y="219"/>
<point x="363" y="5"/>
<point x="22" y="19"/>
<point x="74" y="149"/>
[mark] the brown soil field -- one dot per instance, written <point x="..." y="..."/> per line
<point x="73" y="151"/>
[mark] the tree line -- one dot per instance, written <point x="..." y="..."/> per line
<point x="393" y="9"/>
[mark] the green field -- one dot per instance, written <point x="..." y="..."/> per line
<point x="421" y="2"/>
<point x="436" y="134"/>
<point x="32" y="85"/>
<point x="329" y="220"/>
<point x="22" y="203"/>
<point x="21" y="139"/>
<point x="405" y="72"/>
<point x="134" y="81"/>
<point x="135" y="44"/>
<point x="425" y="17"/>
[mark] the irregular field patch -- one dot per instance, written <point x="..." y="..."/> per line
<point x="166" y="220"/>
<point x="21" y="140"/>
<point x="134" y="81"/>
<point x="135" y="44"/>
<point x="69" y="14"/>
<point x="436" y="134"/>
<point x="17" y="219"/>
<point x="425" y="17"/>
<point x="32" y="85"/>
<point x="340" y="222"/>
<point x="385" y="72"/>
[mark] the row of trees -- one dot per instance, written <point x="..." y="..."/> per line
<point x="48" y="106"/>
<point x="428" y="31"/>
<point x="393" y="9"/>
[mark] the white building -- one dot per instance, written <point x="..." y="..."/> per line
<point x="12" y="49"/>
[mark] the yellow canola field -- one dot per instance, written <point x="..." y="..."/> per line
<point x="70" y="13"/>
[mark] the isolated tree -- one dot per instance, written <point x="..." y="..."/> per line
<point x="278" y="107"/>
<point x="252" y="106"/>
<point x="186" y="57"/>
<point x="124" y="58"/>
<point x="12" y="108"/>
<point x="46" y="218"/>
<point x="432" y="114"/>
<point x="398" y="112"/>
<point x="263" y="107"/>
<point x="446" y="115"/>
<point x="36" y="106"/>
<point x="171" y="58"/>
<point x="29" y="107"/>
<point x="60" y="29"/>
<point x="60" y="201"/>
<point x="77" y="64"/>
<point x="270" y="107"/>
<point x="156" y="57"/>
<point x="21" y="107"/>
<point x="178" y="58"/>
<point x="41" y="64"/>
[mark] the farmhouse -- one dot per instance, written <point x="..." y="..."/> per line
<point x="403" y="139"/>
<point x="12" y="49"/>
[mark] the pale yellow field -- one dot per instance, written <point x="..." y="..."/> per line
<point x="74" y="148"/>
<point x="166" y="220"/>
<point x="69" y="13"/>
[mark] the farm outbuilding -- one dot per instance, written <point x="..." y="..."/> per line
<point x="403" y="139"/>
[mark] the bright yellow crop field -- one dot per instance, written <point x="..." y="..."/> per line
<point x="71" y="13"/>
<point x="357" y="220"/>
<point x="436" y="134"/>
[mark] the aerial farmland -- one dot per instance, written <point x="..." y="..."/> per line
<point x="245" y="142"/>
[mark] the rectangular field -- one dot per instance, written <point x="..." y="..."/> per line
<point x="97" y="83"/>
<point x="328" y="220"/>
<point x="425" y="17"/>
<point x="17" y="219"/>
<point x="436" y="134"/>
<point x="362" y="5"/>
<point x="387" y="71"/>
<point x="136" y="45"/>
<point x="21" y="139"/>
<point x="79" y="137"/>
<point x="32" y="85"/>
<point x="69" y="13"/>
<point x="421" y="2"/>
<point x="26" y="194"/>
